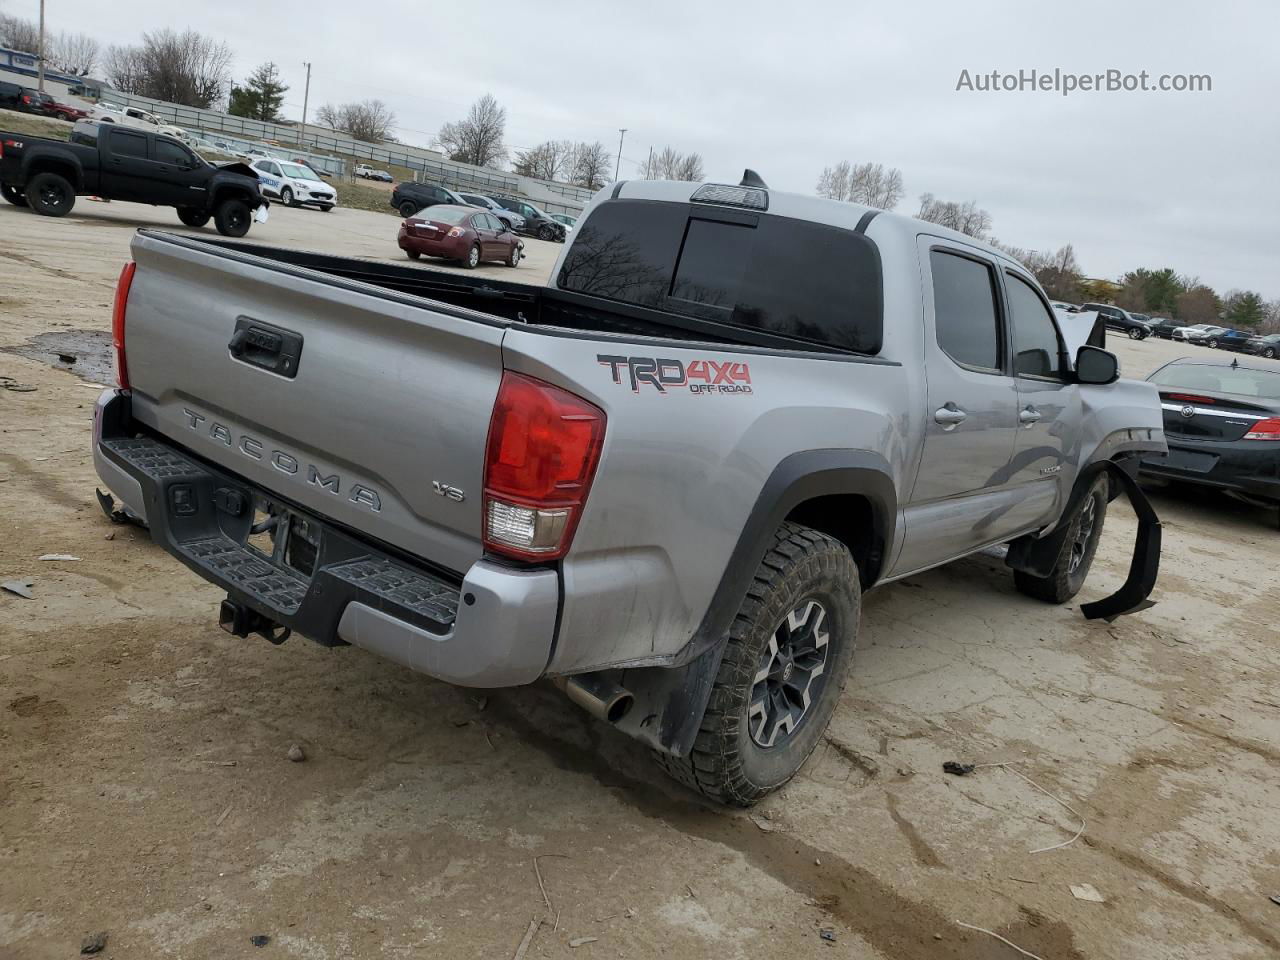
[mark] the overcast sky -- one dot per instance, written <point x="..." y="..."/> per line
<point x="1186" y="180"/>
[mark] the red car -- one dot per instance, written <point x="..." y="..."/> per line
<point x="459" y="233"/>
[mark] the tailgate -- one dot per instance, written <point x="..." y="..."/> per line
<point x="379" y="423"/>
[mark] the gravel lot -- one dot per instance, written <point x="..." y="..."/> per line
<point x="145" y="790"/>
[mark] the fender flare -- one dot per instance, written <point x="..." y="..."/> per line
<point x="671" y="699"/>
<point x="55" y="163"/>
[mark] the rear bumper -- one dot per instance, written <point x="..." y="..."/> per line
<point x="492" y="628"/>
<point x="1244" y="466"/>
<point x="453" y="248"/>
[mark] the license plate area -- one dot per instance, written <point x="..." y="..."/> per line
<point x="284" y="536"/>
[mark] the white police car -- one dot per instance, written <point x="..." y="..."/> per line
<point x="294" y="184"/>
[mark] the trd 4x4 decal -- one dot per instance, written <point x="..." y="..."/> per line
<point x="698" y="376"/>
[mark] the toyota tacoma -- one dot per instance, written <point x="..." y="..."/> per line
<point x="663" y="481"/>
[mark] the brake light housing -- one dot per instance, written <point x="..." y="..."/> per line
<point x="117" y="323"/>
<point x="541" y="456"/>
<point x="1268" y="429"/>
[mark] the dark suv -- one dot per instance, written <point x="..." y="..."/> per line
<point x="10" y="95"/>
<point x="1117" y="319"/>
<point x="537" y="223"/>
<point x="408" y="198"/>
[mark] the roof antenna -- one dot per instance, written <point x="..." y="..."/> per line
<point x="752" y="179"/>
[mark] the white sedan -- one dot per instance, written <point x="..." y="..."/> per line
<point x="294" y="184"/>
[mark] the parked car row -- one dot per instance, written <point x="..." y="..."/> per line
<point x="515" y="214"/>
<point x="1139" y="326"/>
<point x="13" y="96"/>
<point x="366" y="172"/>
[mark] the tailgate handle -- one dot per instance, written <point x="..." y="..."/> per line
<point x="266" y="346"/>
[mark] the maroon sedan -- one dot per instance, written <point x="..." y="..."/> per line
<point x="459" y="233"/>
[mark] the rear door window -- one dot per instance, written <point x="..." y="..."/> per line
<point x="966" y="319"/>
<point x="129" y="144"/>
<point x="773" y="275"/>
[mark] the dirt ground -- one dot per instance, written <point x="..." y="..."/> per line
<point x="145" y="790"/>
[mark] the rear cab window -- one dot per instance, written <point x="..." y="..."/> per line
<point x="778" y="278"/>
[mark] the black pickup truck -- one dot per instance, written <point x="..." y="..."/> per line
<point x="119" y="163"/>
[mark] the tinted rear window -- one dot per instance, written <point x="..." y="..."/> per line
<point x="772" y="274"/>
<point x="1241" y="381"/>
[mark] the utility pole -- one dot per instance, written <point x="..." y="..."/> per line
<point x="306" y="92"/>
<point x="40" y="59"/>
<point x="648" y="171"/>
<point x="622" y="132"/>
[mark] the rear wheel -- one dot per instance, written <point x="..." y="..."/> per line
<point x="1269" y="353"/>
<point x="472" y="259"/>
<point x="784" y="667"/>
<point x="546" y="232"/>
<point x="192" y="217"/>
<point x="50" y="195"/>
<point x="407" y="210"/>
<point x="1213" y="342"/>
<point x="13" y="195"/>
<point x="232" y="218"/>
<point x="1075" y="557"/>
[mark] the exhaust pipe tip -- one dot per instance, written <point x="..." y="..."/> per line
<point x="599" y="696"/>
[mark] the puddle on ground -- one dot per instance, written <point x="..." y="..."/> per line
<point x="86" y="353"/>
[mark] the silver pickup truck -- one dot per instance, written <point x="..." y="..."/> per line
<point x="663" y="481"/>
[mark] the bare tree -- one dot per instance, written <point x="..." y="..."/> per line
<point x="589" y="165"/>
<point x="477" y="139"/>
<point x="19" y="34"/>
<point x="549" y="160"/>
<point x="670" y="164"/>
<point x="369" y="120"/>
<point x="967" y="217"/>
<point x="871" y="184"/>
<point x="186" y="68"/>
<point x="73" y="53"/>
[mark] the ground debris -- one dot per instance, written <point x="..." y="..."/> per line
<point x="1276" y="900"/>
<point x="764" y="824"/>
<point x="94" y="943"/>
<point x="1087" y="891"/>
<point x="957" y="769"/>
<point x="296" y="754"/>
<point x="260" y="939"/>
<point x="57" y="556"/>
<point x="21" y="588"/>
<point x="582" y="941"/>
<point x="827" y="934"/>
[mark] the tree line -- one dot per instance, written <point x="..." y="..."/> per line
<point x="74" y="53"/>
<point x="1156" y="292"/>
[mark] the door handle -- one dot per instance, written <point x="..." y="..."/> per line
<point x="1028" y="415"/>
<point x="949" y="415"/>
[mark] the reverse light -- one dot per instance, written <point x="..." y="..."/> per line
<point x="543" y="448"/>
<point x="456" y="232"/>
<point x="117" y="323"/>
<point x="1268" y="429"/>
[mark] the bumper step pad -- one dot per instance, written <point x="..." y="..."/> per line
<point x="428" y="598"/>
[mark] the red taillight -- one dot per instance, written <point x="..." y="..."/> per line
<point x="117" y="322"/>
<point x="1190" y="398"/>
<point x="544" y="445"/>
<point x="1268" y="429"/>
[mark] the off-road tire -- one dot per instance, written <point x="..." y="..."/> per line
<point x="1063" y="582"/>
<point x="725" y="763"/>
<point x="407" y="210"/>
<point x="13" y="195"/>
<point x="50" y="195"/>
<point x="192" y="217"/>
<point x="232" y="218"/>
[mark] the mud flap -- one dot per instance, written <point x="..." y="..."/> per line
<point x="1143" y="568"/>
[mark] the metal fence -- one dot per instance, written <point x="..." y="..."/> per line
<point x="424" y="164"/>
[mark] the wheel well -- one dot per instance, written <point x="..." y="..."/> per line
<point x="851" y="519"/>
<point x="231" y="193"/>
<point x="65" y="170"/>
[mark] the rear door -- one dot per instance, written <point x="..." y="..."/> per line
<point x="388" y="401"/>
<point x="126" y="163"/>
<point x="963" y="492"/>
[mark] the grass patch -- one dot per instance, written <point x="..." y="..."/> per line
<point x="31" y="126"/>
<point x="358" y="196"/>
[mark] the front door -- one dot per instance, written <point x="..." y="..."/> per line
<point x="182" y="179"/>
<point x="961" y="496"/>
<point x="1047" y="404"/>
